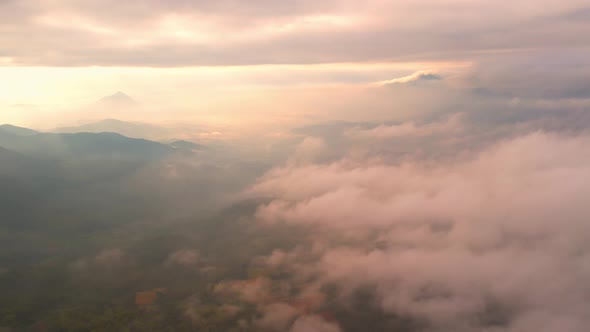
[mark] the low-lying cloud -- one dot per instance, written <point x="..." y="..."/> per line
<point x="495" y="243"/>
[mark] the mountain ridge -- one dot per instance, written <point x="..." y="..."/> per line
<point x="82" y="143"/>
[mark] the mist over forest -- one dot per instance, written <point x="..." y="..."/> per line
<point x="434" y="225"/>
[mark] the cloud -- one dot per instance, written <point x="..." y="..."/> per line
<point x="410" y="129"/>
<point x="276" y="317"/>
<point x="255" y="291"/>
<point x="413" y="78"/>
<point x="260" y="32"/>
<point x="106" y="259"/>
<point x="497" y="242"/>
<point x="185" y="257"/>
<point x="313" y="323"/>
<point x="541" y="75"/>
<point x="310" y="149"/>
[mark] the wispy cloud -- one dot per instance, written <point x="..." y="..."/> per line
<point x="418" y="76"/>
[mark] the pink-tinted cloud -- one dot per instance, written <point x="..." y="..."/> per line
<point x="180" y="33"/>
<point x="495" y="243"/>
<point x="313" y="323"/>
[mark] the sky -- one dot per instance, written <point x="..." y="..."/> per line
<point x="280" y="63"/>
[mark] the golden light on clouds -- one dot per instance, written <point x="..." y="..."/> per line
<point x="241" y="61"/>
<point x="75" y="22"/>
<point x="200" y="29"/>
<point x="219" y="93"/>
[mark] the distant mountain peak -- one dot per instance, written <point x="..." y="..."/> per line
<point x="118" y="98"/>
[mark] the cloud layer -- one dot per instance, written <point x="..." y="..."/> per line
<point x="494" y="243"/>
<point x="229" y="32"/>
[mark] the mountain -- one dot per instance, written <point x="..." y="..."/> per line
<point x="118" y="98"/>
<point x="88" y="175"/>
<point x="17" y="130"/>
<point x="60" y="145"/>
<point x="137" y="130"/>
<point x="11" y="161"/>
<point x="24" y="182"/>
<point x="129" y="129"/>
<point x="116" y="102"/>
<point x="186" y="145"/>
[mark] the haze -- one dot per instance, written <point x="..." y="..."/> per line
<point x="298" y="166"/>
